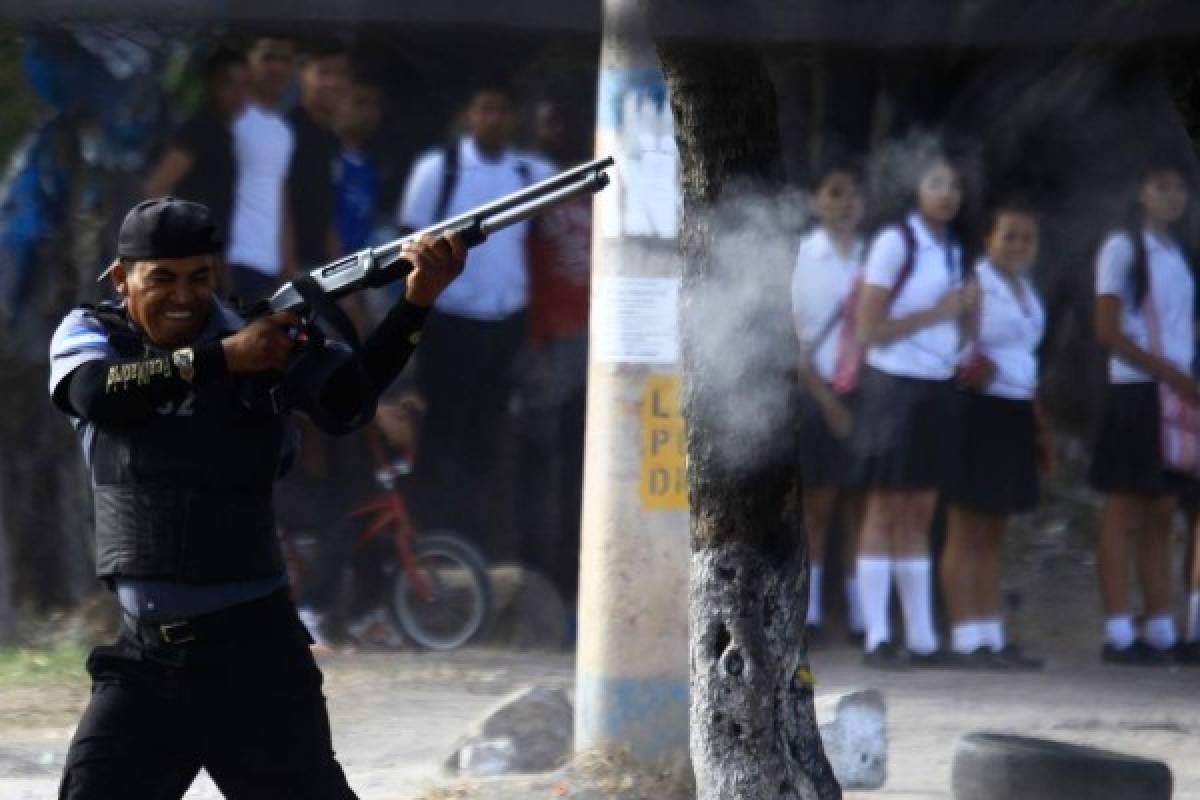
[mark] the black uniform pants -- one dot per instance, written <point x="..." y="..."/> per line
<point x="242" y="701"/>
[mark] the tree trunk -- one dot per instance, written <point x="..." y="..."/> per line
<point x="8" y="615"/>
<point x="753" y="728"/>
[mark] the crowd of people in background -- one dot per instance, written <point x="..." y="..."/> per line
<point x="919" y="369"/>
<point x="293" y="185"/>
<point x="920" y="346"/>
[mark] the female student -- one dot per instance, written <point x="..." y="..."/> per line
<point x="826" y="266"/>
<point x="996" y="473"/>
<point x="913" y="307"/>
<point x="1145" y="320"/>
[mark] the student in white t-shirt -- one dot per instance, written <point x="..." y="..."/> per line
<point x="475" y="330"/>
<point x="907" y="405"/>
<point x="1145" y="319"/>
<point x="259" y="250"/>
<point x="827" y="264"/>
<point x="996" y="473"/>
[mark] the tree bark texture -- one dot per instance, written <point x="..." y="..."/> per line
<point x="753" y="728"/>
<point x="8" y="614"/>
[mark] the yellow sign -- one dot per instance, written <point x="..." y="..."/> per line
<point x="664" y="448"/>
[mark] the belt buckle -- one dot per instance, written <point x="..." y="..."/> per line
<point x="177" y="632"/>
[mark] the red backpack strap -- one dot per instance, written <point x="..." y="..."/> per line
<point x="850" y="351"/>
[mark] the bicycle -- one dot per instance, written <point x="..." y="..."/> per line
<point x="434" y="586"/>
<point x="440" y="595"/>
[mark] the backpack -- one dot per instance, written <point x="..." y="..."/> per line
<point x="450" y="174"/>
<point x="850" y="351"/>
<point x="1179" y="424"/>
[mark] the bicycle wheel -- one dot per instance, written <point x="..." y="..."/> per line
<point x="455" y="602"/>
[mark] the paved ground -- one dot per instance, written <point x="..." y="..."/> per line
<point x="396" y="716"/>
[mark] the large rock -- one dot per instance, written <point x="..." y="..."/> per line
<point x="529" y="731"/>
<point x="530" y="613"/>
<point x="854" y="733"/>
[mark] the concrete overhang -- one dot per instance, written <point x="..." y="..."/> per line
<point x="582" y="16"/>
<point x="850" y="22"/>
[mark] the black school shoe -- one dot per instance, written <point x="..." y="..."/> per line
<point x="886" y="656"/>
<point x="1187" y="654"/>
<point x="1011" y="658"/>
<point x="981" y="659"/>
<point x="941" y="659"/>
<point x="1138" y="654"/>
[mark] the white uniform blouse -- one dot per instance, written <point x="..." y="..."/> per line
<point x="1011" y="327"/>
<point x="932" y="352"/>
<point x="820" y="282"/>
<point x="1171" y="289"/>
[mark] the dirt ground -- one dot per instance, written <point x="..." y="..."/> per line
<point x="396" y="716"/>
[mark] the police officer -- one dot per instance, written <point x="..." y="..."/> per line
<point x="168" y="391"/>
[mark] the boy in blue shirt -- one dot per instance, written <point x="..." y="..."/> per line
<point x="356" y="176"/>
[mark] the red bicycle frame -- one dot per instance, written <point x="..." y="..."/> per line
<point x="388" y="510"/>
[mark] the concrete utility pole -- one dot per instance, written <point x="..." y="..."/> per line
<point x="632" y="682"/>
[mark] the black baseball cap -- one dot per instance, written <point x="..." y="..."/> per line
<point x="166" y="227"/>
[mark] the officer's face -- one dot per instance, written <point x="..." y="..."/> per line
<point x="169" y="298"/>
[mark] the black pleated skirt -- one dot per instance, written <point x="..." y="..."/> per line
<point x="905" y="433"/>
<point x="996" y="470"/>
<point x="824" y="457"/>
<point x="1127" y="454"/>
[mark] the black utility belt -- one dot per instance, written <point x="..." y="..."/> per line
<point x="243" y="619"/>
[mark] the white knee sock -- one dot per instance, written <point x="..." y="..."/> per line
<point x="1118" y="631"/>
<point x="966" y="637"/>
<point x="1192" y="631"/>
<point x="992" y="634"/>
<point x="874" y="589"/>
<point x="854" y="613"/>
<point x="814" y="595"/>
<point x="914" y="580"/>
<point x="1160" y="632"/>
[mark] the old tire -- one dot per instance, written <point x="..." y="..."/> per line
<point x="997" y="766"/>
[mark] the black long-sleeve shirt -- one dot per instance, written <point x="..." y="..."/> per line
<point x="91" y="381"/>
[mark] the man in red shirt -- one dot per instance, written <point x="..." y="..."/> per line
<point x="554" y="389"/>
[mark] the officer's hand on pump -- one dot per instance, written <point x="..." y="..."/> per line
<point x="263" y="345"/>
<point x="435" y="262"/>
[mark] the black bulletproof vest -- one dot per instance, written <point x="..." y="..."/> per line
<point x="186" y="496"/>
